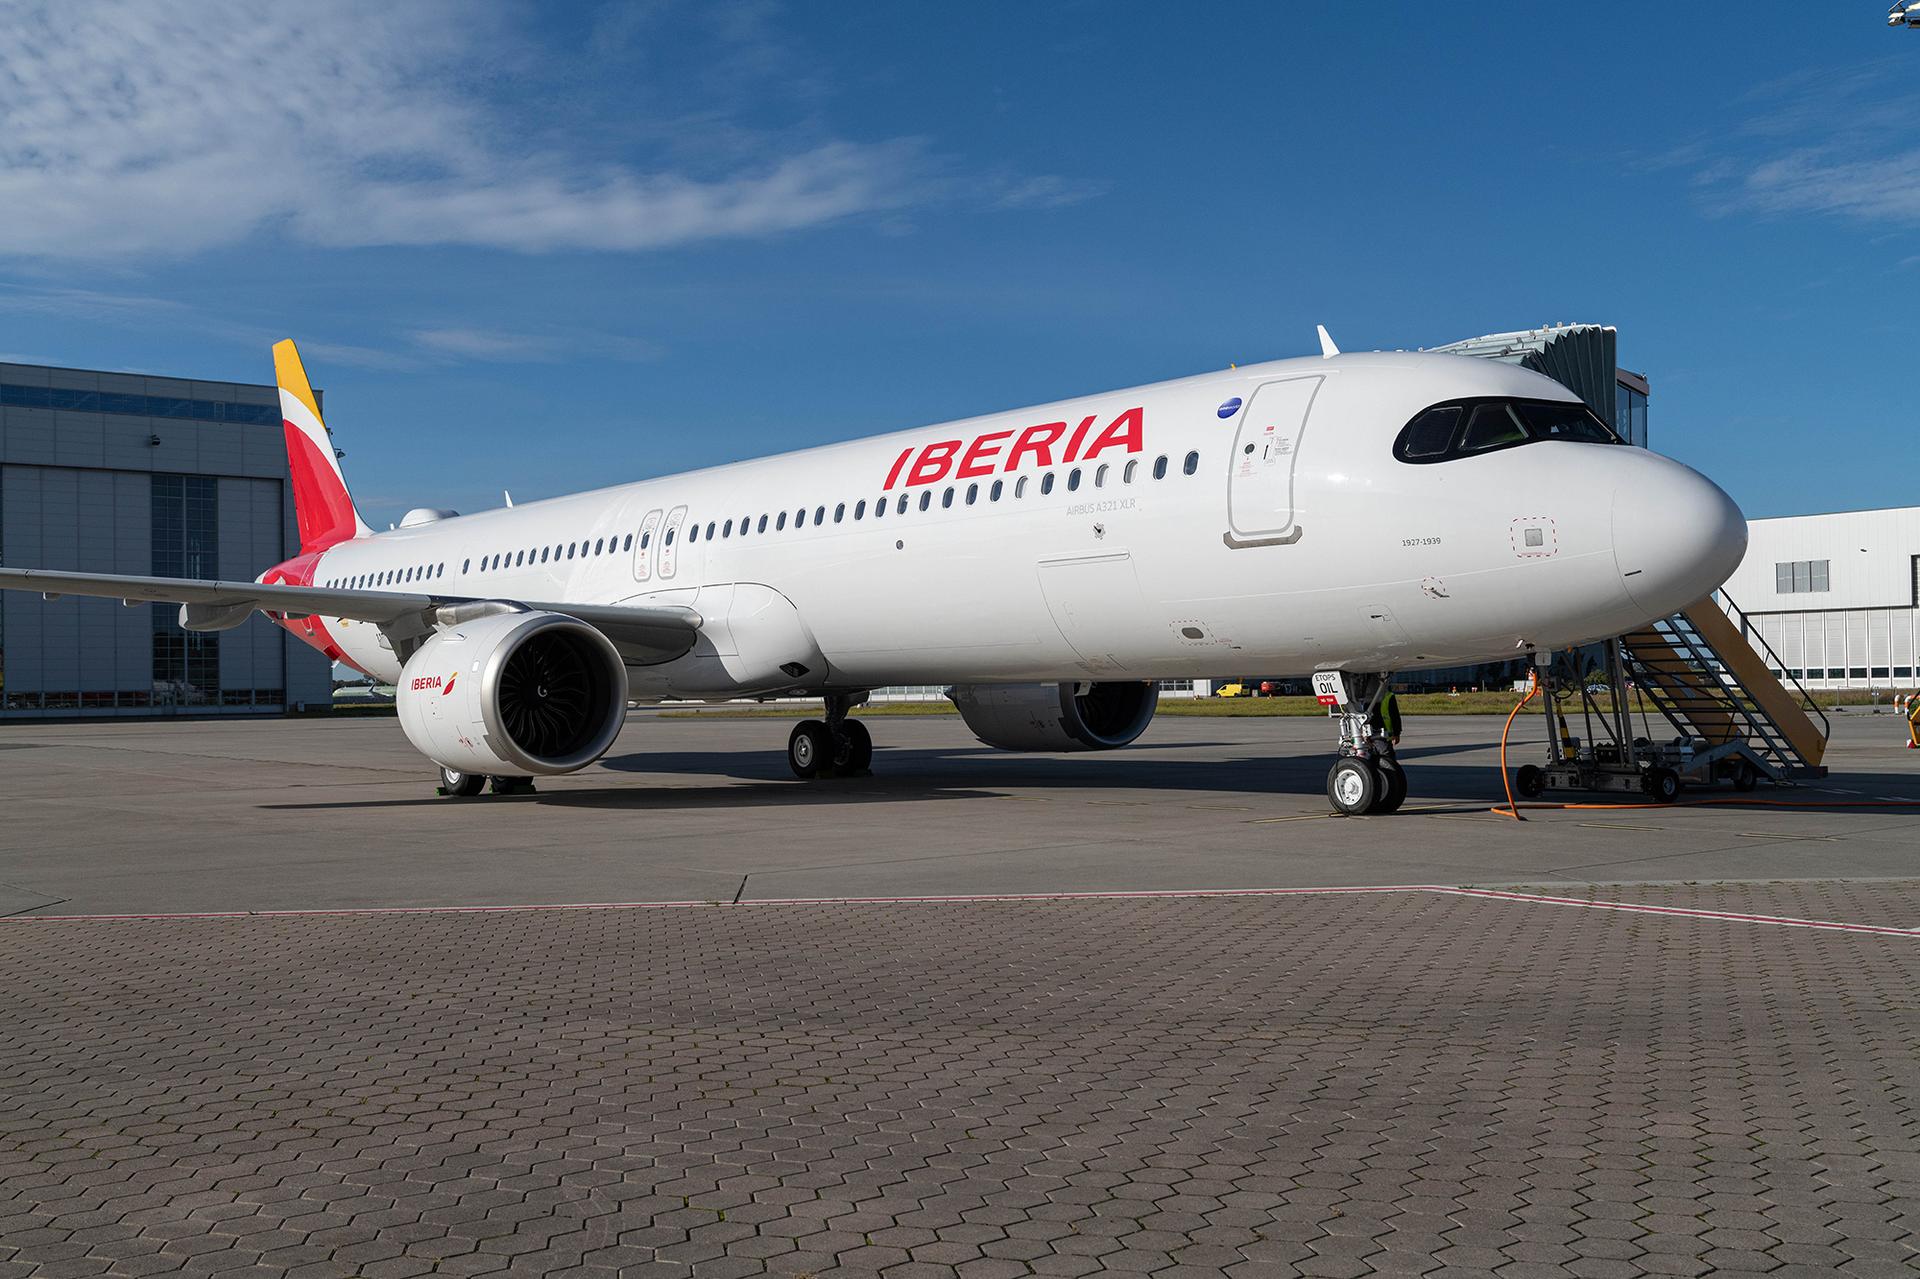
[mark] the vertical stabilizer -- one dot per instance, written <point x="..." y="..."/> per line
<point x="321" y="503"/>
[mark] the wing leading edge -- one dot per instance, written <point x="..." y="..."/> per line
<point x="643" y="632"/>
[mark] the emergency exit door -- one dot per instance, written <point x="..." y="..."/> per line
<point x="1260" y="486"/>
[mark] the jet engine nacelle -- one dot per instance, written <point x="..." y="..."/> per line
<point x="1056" y="717"/>
<point x="514" y="694"/>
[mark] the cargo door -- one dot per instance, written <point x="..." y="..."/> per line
<point x="1260" y="487"/>
<point x="643" y="546"/>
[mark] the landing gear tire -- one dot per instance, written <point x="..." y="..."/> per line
<point x="855" y="756"/>
<point x="1393" y="788"/>
<point x="1662" y="783"/>
<point x="1353" y="786"/>
<point x="1530" y="780"/>
<point x="810" y="749"/>
<point x="458" y="785"/>
<point x="512" y="785"/>
<point x="1745" y="775"/>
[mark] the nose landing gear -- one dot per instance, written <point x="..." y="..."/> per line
<point x="1366" y="778"/>
<point x="835" y="747"/>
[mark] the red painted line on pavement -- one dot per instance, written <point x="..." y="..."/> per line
<point x="1484" y="894"/>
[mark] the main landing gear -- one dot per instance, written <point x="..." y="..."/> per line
<point x="837" y="746"/>
<point x="1366" y="778"/>
<point x="458" y="785"/>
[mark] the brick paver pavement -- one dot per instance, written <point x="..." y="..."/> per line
<point x="1342" y="1085"/>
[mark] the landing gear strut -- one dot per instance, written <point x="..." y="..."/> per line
<point x="1366" y="778"/>
<point x="837" y="746"/>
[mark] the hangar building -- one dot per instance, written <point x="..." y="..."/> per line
<point x="123" y="473"/>
<point x="1836" y="597"/>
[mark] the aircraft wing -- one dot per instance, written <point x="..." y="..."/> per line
<point x="656" y="632"/>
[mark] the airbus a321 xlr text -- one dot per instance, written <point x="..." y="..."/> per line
<point x="1349" y="515"/>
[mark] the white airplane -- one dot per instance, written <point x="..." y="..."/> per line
<point x="1350" y="515"/>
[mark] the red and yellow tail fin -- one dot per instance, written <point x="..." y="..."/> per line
<point x="321" y="503"/>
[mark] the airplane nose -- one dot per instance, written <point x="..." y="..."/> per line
<point x="1676" y="535"/>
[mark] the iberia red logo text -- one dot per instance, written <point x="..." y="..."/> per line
<point x="1036" y="445"/>
<point x="423" y="682"/>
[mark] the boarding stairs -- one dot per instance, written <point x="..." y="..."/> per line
<point x="1708" y="680"/>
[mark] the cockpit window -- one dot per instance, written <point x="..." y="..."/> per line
<point x="1565" y="422"/>
<point x="1466" y="427"/>
<point x="1492" y="426"/>
<point x="1430" y="434"/>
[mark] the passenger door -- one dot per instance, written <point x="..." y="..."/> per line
<point x="669" y="550"/>
<point x="643" y="546"/>
<point x="1260" y="497"/>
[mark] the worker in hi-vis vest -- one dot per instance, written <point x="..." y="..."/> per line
<point x="1386" y="718"/>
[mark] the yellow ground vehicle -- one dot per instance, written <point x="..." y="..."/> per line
<point x="1234" y="690"/>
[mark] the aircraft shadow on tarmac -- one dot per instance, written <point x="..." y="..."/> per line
<point x="759" y="778"/>
<point x="906" y="774"/>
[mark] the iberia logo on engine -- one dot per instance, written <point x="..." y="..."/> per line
<point x="422" y="682"/>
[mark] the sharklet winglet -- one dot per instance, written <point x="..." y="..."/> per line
<point x="1327" y="349"/>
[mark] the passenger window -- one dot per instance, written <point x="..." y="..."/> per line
<point x="709" y="530"/>
<point x="879" y="508"/>
<point x="1046" y="484"/>
<point x="1160" y="467"/>
<point x="670" y="533"/>
<point x="1073" y="479"/>
<point x="902" y="508"/>
<point x="645" y="538"/>
<point x="781" y="522"/>
<point x="973" y="491"/>
<point x="946" y="499"/>
<point x="726" y="530"/>
<point x="1429" y="434"/>
<point x="800" y="518"/>
<point x="840" y="513"/>
<point x="1126" y="476"/>
<point x="762" y="526"/>
<point x="693" y="532"/>
<point x="993" y="494"/>
<point x="1020" y="487"/>
<point x="859" y="509"/>
<point x="1192" y="463"/>
<point x="626" y="543"/>
<point x="1492" y="426"/>
<point x="1100" y="476"/>
<point x="570" y="545"/>
<point x="926" y="499"/>
<point x="819" y="515"/>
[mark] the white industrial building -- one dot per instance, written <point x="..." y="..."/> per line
<point x="1835" y="597"/>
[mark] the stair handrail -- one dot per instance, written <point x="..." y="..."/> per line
<point x="1738" y="616"/>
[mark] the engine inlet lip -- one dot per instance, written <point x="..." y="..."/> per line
<point x="502" y="742"/>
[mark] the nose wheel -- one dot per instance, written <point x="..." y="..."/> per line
<point x="1366" y="779"/>
<point x="1360" y="787"/>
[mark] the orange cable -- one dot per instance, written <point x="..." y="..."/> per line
<point x="1506" y="778"/>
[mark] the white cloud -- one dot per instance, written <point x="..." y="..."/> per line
<point x="132" y="127"/>
<point x="495" y="347"/>
<point x="1822" y="141"/>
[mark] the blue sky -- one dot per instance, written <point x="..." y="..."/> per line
<point x="548" y="247"/>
